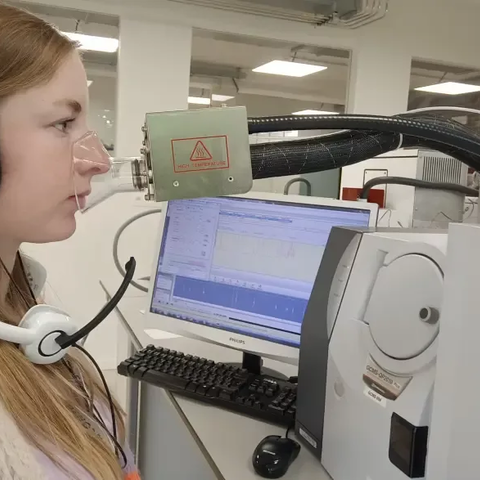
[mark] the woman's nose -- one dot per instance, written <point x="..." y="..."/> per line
<point x="90" y="156"/>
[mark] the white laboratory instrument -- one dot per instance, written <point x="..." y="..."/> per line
<point x="369" y="345"/>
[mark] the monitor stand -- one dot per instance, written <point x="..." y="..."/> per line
<point x="254" y="364"/>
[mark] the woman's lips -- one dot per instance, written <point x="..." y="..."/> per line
<point x="80" y="200"/>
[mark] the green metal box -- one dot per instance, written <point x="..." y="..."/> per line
<point x="198" y="153"/>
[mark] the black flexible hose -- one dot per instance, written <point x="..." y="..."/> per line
<point x="361" y="138"/>
<point x="431" y="128"/>
<point x="451" y="187"/>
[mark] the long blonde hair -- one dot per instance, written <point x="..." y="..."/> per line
<point x="47" y="403"/>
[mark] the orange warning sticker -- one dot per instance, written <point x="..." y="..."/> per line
<point x="200" y="153"/>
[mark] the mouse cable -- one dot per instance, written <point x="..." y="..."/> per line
<point x="289" y="428"/>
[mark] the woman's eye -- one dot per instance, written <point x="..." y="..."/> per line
<point x="63" y="126"/>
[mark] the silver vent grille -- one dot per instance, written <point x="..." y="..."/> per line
<point x="340" y="13"/>
<point x="442" y="168"/>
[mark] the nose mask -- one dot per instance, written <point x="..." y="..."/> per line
<point x="97" y="176"/>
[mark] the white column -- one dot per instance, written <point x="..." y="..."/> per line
<point x="379" y="79"/>
<point x="379" y="84"/>
<point x="153" y="75"/>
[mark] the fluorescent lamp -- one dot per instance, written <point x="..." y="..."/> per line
<point x="89" y="82"/>
<point x="199" y="100"/>
<point x="450" y="88"/>
<point x="289" y="69"/>
<point x="221" y="98"/>
<point x="314" y="112"/>
<point x="90" y="42"/>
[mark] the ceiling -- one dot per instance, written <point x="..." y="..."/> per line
<point x="223" y="63"/>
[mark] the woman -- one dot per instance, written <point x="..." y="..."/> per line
<point x="55" y="422"/>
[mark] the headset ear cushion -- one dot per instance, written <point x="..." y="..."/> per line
<point x="47" y="323"/>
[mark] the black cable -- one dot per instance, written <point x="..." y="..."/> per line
<point x="17" y="288"/>
<point x="411" y="182"/>
<point x="22" y="266"/>
<point x="118" y="447"/>
<point x="105" y="386"/>
<point x="291" y="380"/>
<point x="96" y="414"/>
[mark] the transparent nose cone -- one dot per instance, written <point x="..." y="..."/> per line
<point x="97" y="176"/>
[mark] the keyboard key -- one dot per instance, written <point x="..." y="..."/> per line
<point x="192" y="387"/>
<point x="275" y="408"/>
<point x="202" y="389"/>
<point x="213" y="392"/>
<point x="226" y="394"/>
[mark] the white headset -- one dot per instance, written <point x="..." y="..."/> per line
<point x="45" y="333"/>
<point x="38" y="331"/>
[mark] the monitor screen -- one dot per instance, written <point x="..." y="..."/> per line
<point x="244" y="265"/>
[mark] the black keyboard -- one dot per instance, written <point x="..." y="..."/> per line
<point x="222" y="385"/>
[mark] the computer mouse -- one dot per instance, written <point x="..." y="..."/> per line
<point x="274" y="455"/>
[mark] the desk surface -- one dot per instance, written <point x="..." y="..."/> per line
<point x="229" y="438"/>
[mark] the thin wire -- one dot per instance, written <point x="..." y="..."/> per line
<point x="95" y="413"/>
<point x="472" y="203"/>
<point x="389" y="213"/>
<point x="116" y="240"/>
<point x="437" y="215"/>
<point x="118" y="447"/>
<point x="107" y="390"/>
<point x="17" y="288"/>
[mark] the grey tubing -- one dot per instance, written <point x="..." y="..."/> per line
<point x="117" y="239"/>
<point x="286" y="190"/>
<point x="411" y="182"/>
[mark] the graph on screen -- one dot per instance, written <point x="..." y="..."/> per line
<point x="267" y="256"/>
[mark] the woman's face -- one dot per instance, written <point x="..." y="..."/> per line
<point x="37" y="130"/>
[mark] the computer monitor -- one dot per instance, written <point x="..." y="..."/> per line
<point x="238" y="270"/>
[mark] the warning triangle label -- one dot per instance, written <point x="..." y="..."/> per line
<point x="200" y="152"/>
